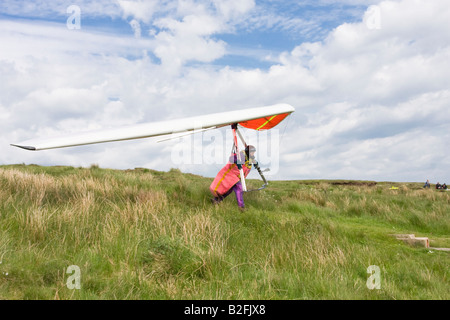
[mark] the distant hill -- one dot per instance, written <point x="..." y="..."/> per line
<point x="93" y="233"/>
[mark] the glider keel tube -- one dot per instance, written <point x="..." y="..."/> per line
<point x="152" y="129"/>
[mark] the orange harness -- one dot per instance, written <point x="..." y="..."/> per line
<point x="228" y="176"/>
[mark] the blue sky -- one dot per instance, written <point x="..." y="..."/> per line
<point x="369" y="80"/>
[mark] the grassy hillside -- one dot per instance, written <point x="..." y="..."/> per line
<point x="144" y="234"/>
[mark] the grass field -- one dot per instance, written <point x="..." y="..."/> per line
<point x="144" y="234"/>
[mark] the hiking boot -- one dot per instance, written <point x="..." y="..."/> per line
<point x="215" y="201"/>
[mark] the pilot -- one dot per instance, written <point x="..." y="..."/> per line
<point x="228" y="179"/>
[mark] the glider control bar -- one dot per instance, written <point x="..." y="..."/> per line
<point x="262" y="176"/>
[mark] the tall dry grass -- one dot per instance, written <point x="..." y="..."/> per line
<point x="141" y="234"/>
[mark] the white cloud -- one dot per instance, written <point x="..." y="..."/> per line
<point x="234" y="9"/>
<point x="187" y="40"/>
<point x="28" y="40"/>
<point x="139" y="10"/>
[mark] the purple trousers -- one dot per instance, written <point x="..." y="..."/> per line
<point x="237" y="188"/>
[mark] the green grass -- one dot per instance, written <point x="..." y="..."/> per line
<point x="144" y="234"/>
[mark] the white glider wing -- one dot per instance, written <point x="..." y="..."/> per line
<point x="261" y="118"/>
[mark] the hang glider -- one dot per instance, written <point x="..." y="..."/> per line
<point x="262" y="118"/>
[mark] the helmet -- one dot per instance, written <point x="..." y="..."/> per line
<point x="249" y="149"/>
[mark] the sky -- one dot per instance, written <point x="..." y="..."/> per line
<point x="370" y="82"/>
